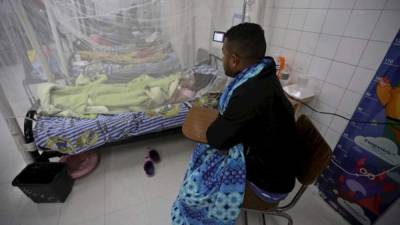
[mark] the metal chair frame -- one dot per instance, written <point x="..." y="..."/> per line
<point x="279" y="211"/>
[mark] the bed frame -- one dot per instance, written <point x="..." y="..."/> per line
<point x="40" y="155"/>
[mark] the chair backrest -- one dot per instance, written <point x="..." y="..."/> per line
<point x="196" y="123"/>
<point x="316" y="152"/>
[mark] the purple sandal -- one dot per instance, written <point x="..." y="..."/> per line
<point x="149" y="167"/>
<point x="154" y="155"/>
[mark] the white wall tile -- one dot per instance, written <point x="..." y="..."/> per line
<point x="278" y="36"/>
<point x="374" y="54"/>
<point x="349" y="102"/>
<point x="304" y="111"/>
<point x="361" y="79"/>
<point x="319" y="67"/>
<point x="336" y="21"/>
<point x="284" y="3"/>
<point x="350" y="50"/>
<point x="268" y="34"/>
<point x="308" y="42"/>
<point x="331" y="95"/>
<point x="297" y="19"/>
<point x="314" y="85"/>
<point x="292" y="39"/>
<point x="321" y="127"/>
<point x="340" y="74"/>
<point x="370" y="4"/>
<point x="295" y="77"/>
<point x="274" y="16"/>
<point x="319" y="4"/>
<point x="301" y="3"/>
<point x="327" y="46"/>
<point x="339" y="124"/>
<point x="332" y="138"/>
<point x="392" y="4"/>
<point x="270" y="3"/>
<point x="268" y="17"/>
<point x="321" y="41"/>
<point x="323" y="118"/>
<point x="342" y="4"/>
<point x="289" y="56"/>
<point x="315" y="19"/>
<point x="302" y="62"/>
<point x="282" y="18"/>
<point x="362" y="23"/>
<point x="387" y="26"/>
<point x="274" y="51"/>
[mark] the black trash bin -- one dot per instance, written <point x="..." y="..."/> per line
<point x="45" y="182"/>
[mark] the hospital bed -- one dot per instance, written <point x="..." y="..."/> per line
<point x="118" y="46"/>
<point x="60" y="135"/>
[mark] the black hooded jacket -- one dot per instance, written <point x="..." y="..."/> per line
<point x="260" y="116"/>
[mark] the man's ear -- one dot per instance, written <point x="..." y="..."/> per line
<point x="235" y="60"/>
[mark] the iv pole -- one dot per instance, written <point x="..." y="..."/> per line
<point x="244" y="9"/>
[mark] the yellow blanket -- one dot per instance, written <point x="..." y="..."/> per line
<point x="88" y="97"/>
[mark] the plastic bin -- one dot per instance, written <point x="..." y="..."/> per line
<point x="45" y="182"/>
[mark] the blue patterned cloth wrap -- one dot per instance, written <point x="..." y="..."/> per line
<point x="213" y="187"/>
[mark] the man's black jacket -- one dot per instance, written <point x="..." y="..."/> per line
<point x="260" y="116"/>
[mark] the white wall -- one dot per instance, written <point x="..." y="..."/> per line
<point x="338" y="44"/>
<point x="217" y="15"/>
<point x="214" y="15"/>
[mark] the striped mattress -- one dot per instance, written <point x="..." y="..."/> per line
<point x="75" y="135"/>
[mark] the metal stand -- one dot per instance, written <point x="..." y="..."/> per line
<point x="244" y="10"/>
<point x="15" y="130"/>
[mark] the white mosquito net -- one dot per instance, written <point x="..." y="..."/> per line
<point x="80" y="57"/>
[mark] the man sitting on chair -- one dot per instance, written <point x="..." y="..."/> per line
<point x="259" y="115"/>
<point x="251" y="137"/>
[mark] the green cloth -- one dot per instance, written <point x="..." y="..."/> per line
<point x="88" y="98"/>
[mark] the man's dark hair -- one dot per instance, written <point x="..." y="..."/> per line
<point x="247" y="40"/>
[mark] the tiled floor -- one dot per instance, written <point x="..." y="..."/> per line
<point x="119" y="193"/>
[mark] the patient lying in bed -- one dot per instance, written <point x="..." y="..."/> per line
<point x="96" y="96"/>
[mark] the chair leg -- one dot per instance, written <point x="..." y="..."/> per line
<point x="263" y="219"/>
<point x="246" y="221"/>
<point x="245" y="217"/>
<point x="281" y="214"/>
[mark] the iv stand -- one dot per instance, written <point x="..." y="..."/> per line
<point x="244" y="9"/>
